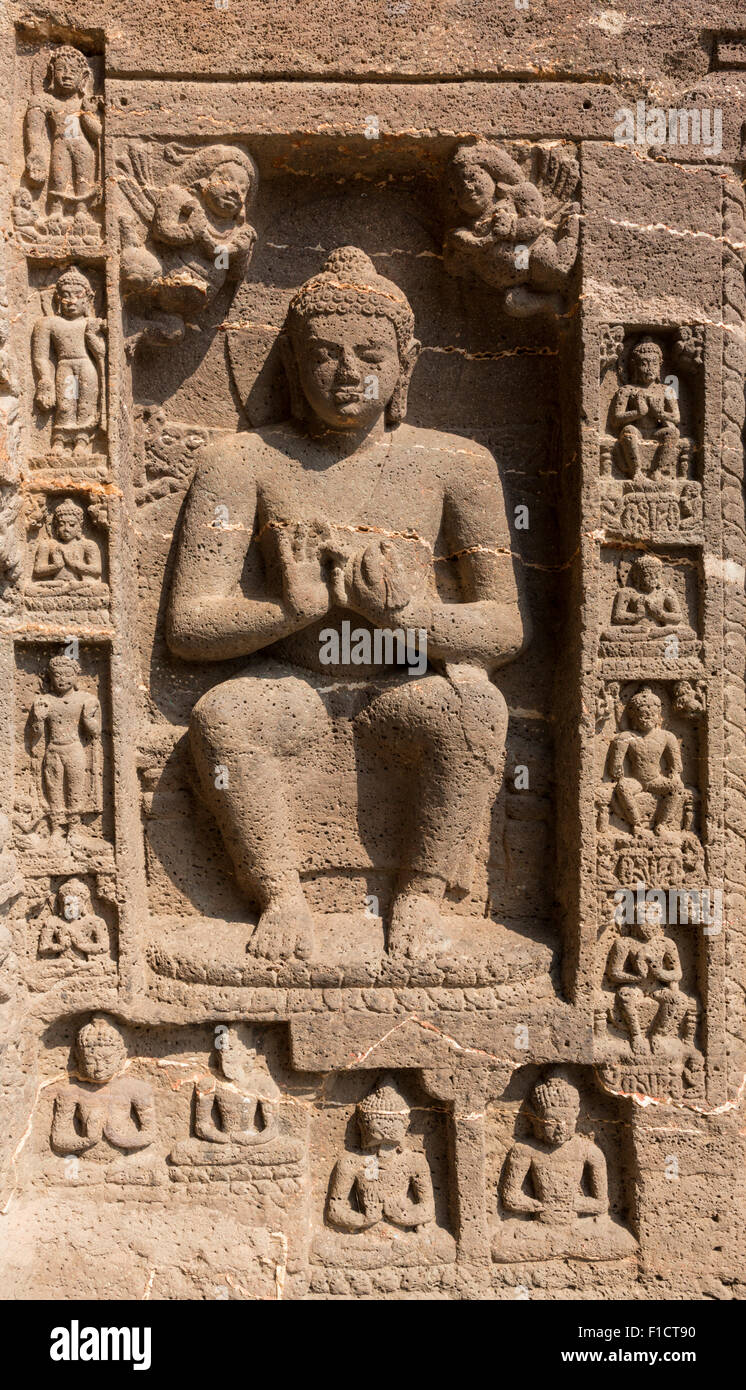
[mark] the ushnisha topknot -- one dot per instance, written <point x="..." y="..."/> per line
<point x="384" y="1099"/>
<point x="555" y="1091"/>
<point x="349" y="280"/>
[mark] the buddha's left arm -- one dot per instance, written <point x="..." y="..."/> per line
<point x="490" y="625"/>
<point x="598" y="1200"/>
<point x="138" y="1135"/>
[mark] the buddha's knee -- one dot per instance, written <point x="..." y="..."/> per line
<point x="246" y="717"/>
<point x="630" y="432"/>
<point x="437" y="713"/>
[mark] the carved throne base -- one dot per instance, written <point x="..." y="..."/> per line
<point x="649" y="509"/>
<point x="349" y="951"/>
<point x="370" y="1250"/>
<point x="586" y="1238"/>
<point x="670" y="1080"/>
<point x="274" y="1168"/>
<point x="124" y="1171"/>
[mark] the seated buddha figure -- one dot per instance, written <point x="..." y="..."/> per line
<point x="294" y="531"/>
<point x="387" y="1185"/>
<point x="235" y="1110"/>
<point x="646" y="604"/>
<point x="72" y="928"/>
<point x="103" y="1115"/>
<point x="553" y="1187"/>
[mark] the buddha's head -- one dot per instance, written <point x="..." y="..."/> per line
<point x="646" y="361"/>
<point x="101" y="1050"/>
<point x="231" y="1053"/>
<point x="349" y="345"/>
<point x="63" y="673"/>
<point x="383" y="1116"/>
<point x="554" y="1110"/>
<point x="67" y="523"/>
<point x="68" y="71"/>
<point x="645" y="711"/>
<point x="73" y="296"/>
<point x="646" y="574"/>
<point x="73" y="900"/>
<point x="650" y="921"/>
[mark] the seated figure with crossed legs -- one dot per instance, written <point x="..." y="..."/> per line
<point x="345" y="504"/>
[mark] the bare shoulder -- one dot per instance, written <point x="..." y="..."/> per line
<point x="452" y="453"/>
<point x="231" y="462"/>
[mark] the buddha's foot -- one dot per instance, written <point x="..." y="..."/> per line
<point x="415" y="928"/>
<point x="284" y="929"/>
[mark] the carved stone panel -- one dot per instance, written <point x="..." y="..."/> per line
<point x="372" y="641"/>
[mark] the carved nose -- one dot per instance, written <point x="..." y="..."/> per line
<point x="348" y="366"/>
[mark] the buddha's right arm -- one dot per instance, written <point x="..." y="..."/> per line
<point x="64" y="1139"/>
<point x="210" y="618"/>
<point x="513" y="1196"/>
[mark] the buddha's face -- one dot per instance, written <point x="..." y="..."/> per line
<point x="376" y="1130"/>
<point x="647" y="575"/>
<point x="67" y="73"/>
<point x="647" y="367"/>
<point x="68" y="526"/>
<point x="226" y="190"/>
<point x="102" y="1054"/>
<point x="230" y="1058"/>
<point x="645" y="712"/>
<point x="556" y="1125"/>
<point x="72" y="301"/>
<point x="349" y="367"/>
<point x="68" y="904"/>
<point x="476" y="189"/>
<point x="62" y="678"/>
<point x="650" y="925"/>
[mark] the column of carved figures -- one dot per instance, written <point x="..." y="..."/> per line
<point x="654" y="873"/>
<point x="55" y="518"/>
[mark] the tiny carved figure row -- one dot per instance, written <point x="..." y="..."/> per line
<point x="380" y="1195"/>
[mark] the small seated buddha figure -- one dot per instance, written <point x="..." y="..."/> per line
<point x="66" y="556"/>
<point x="553" y="1186"/>
<point x="388" y="1183"/>
<point x="103" y="1114"/>
<point x="73" y="929"/>
<point x="235" y="1110"/>
<point x="645" y="417"/>
<point x="647" y="1002"/>
<point x="645" y="602"/>
<point x="645" y="765"/>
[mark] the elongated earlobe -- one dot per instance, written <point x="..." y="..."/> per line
<point x="396" y="409"/>
<point x="289" y="362"/>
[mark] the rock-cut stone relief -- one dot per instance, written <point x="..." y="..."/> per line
<point x="553" y="1187"/>
<point x="68" y="355"/>
<point x="345" y="502"/>
<point x="517" y="223"/>
<point x="649" y="459"/>
<point x="371" y="678"/>
<point x="62" y="816"/>
<point x="239" y="1134"/>
<point x="102" y="1117"/>
<point x="183" y="239"/>
<point x="62" y="129"/>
